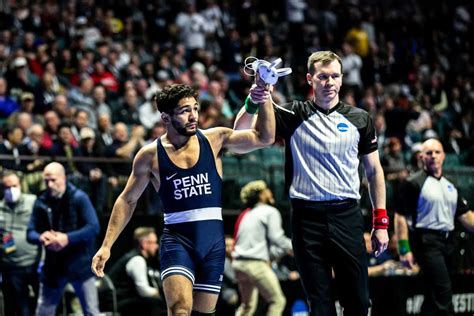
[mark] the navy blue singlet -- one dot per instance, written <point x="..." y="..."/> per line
<point x="192" y="243"/>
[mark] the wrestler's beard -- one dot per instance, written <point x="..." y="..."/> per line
<point x="182" y="129"/>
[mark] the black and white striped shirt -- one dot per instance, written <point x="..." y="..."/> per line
<point x="323" y="149"/>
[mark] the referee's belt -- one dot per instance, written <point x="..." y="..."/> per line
<point x="441" y="233"/>
<point x="324" y="205"/>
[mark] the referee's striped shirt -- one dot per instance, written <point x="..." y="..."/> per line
<point x="323" y="148"/>
<point x="430" y="202"/>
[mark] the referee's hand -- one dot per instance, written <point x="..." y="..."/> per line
<point x="379" y="238"/>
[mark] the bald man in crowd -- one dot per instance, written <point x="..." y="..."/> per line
<point x="65" y="223"/>
<point x="432" y="203"/>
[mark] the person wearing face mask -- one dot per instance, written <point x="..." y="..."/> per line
<point x="65" y="223"/>
<point x="18" y="259"/>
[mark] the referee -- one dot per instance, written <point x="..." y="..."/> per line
<point x="325" y="140"/>
<point x="431" y="203"/>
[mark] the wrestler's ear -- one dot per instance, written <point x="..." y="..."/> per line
<point x="165" y="117"/>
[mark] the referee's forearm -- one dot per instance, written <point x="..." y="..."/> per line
<point x="377" y="188"/>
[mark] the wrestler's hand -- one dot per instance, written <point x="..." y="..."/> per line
<point x="407" y="260"/>
<point x="260" y="94"/>
<point x="99" y="260"/>
<point x="262" y="84"/>
<point x="379" y="239"/>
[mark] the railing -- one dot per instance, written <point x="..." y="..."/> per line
<point x="266" y="164"/>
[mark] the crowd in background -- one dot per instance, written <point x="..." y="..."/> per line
<point x="97" y="64"/>
<point x="77" y="78"/>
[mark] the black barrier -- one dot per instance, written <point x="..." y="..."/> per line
<point x="397" y="295"/>
<point x="403" y="295"/>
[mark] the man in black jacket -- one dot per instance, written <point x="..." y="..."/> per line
<point x="133" y="277"/>
<point x="65" y="223"/>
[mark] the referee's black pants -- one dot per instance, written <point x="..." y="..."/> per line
<point x="433" y="251"/>
<point x="326" y="236"/>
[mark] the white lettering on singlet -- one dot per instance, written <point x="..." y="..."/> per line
<point x="190" y="186"/>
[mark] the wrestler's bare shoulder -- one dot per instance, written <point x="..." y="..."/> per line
<point x="148" y="151"/>
<point x="217" y="135"/>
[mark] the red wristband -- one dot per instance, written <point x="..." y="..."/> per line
<point x="379" y="219"/>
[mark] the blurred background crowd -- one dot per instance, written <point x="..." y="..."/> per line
<point x="77" y="79"/>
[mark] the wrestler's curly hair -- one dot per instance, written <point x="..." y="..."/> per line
<point x="167" y="99"/>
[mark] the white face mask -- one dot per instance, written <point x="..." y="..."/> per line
<point x="12" y="195"/>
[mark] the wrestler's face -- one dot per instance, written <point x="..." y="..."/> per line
<point x="185" y="116"/>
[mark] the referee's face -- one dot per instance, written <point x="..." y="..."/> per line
<point x="433" y="156"/>
<point x="326" y="82"/>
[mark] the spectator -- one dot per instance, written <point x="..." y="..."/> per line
<point x="104" y="132"/>
<point x="52" y="122"/>
<point x="81" y="119"/>
<point x="257" y="229"/>
<point x="19" y="259"/>
<point x="27" y="104"/>
<point x="124" y="147"/>
<point x="101" y="76"/>
<point x="92" y="177"/>
<point x="24" y="120"/>
<point x="34" y="142"/>
<point x="19" y="78"/>
<point x="149" y="114"/>
<point x="99" y="95"/>
<point x="60" y="105"/>
<point x="66" y="147"/>
<point x="193" y="28"/>
<point x="65" y="223"/>
<point x="127" y="111"/>
<point x="45" y="94"/>
<point x="7" y="104"/>
<point x="12" y="145"/>
<point x="82" y="95"/>
<point x="131" y="274"/>
<point x="393" y="160"/>
<point x="352" y="64"/>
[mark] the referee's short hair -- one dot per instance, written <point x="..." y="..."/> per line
<point x="325" y="57"/>
<point x="249" y="194"/>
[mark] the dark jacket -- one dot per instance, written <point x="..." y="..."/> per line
<point x="123" y="283"/>
<point x="74" y="215"/>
